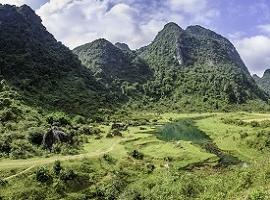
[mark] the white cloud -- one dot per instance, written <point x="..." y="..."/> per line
<point x="33" y="3"/>
<point x="255" y="51"/>
<point x="136" y="22"/>
<point x="189" y="6"/>
<point x="265" y="28"/>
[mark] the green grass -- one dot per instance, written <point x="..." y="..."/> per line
<point x="180" y="165"/>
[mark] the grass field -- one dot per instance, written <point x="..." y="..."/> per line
<point x="169" y="169"/>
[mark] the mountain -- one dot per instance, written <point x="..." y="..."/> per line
<point x="43" y="70"/>
<point x="197" y="64"/>
<point x="264" y="81"/>
<point x="122" y="46"/>
<point x="113" y="65"/>
<point x="180" y="68"/>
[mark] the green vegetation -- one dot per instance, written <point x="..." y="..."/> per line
<point x="141" y="165"/>
<point x="264" y="81"/>
<point x="106" y="130"/>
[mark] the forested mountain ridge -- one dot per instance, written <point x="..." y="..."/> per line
<point x="113" y="64"/>
<point x="180" y="68"/>
<point x="264" y="81"/>
<point x="197" y="62"/>
<point x="43" y="70"/>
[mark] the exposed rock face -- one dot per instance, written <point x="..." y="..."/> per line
<point x="54" y="136"/>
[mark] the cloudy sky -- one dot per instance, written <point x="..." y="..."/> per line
<point x="74" y="22"/>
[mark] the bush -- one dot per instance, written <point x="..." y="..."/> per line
<point x="79" y="119"/>
<point x="35" y="136"/>
<point x="150" y="168"/>
<point x="67" y="175"/>
<point x="109" y="158"/>
<point x="136" y="154"/>
<point x="43" y="175"/>
<point x="21" y="149"/>
<point x="7" y="115"/>
<point x="57" y="167"/>
<point x="5" y="145"/>
<point x="88" y="130"/>
<point x="58" y="118"/>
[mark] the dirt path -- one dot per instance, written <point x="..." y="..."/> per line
<point x="62" y="158"/>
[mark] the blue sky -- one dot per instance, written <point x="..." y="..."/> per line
<point x="74" y="22"/>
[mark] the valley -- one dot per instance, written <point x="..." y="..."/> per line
<point x="176" y="157"/>
<point x="179" y="118"/>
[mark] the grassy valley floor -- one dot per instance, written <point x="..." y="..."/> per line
<point x="146" y="163"/>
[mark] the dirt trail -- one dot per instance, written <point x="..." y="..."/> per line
<point x="62" y="158"/>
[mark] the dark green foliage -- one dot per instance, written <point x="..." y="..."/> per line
<point x="22" y="149"/>
<point x="67" y="175"/>
<point x="109" y="158"/>
<point x="57" y="168"/>
<point x="88" y="130"/>
<point x="264" y="81"/>
<point x="61" y="119"/>
<point x="199" y="64"/>
<point x="136" y="154"/>
<point x="5" y="145"/>
<point x="45" y="71"/>
<point x="150" y="168"/>
<point x="112" y="64"/>
<point x="35" y="136"/>
<point x="43" y="175"/>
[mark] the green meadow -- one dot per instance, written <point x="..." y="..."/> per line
<point x="162" y="156"/>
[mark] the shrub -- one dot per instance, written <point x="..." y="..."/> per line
<point x="67" y="175"/>
<point x="7" y="115"/>
<point x="58" y="118"/>
<point x="35" y="136"/>
<point x="136" y="154"/>
<point x="21" y="149"/>
<point x="57" y="167"/>
<point x="89" y="130"/>
<point x="5" y="145"/>
<point x="150" y="168"/>
<point x="79" y="119"/>
<point x="43" y="175"/>
<point x="109" y="158"/>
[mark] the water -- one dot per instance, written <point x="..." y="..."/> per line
<point x="187" y="131"/>
<point x="182" y="130"/>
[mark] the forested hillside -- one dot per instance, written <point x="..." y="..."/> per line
<point x="264" y="81"/>
<point x="42" y="70"/>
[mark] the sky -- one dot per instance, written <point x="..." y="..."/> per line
<point x="136" y="22"/>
